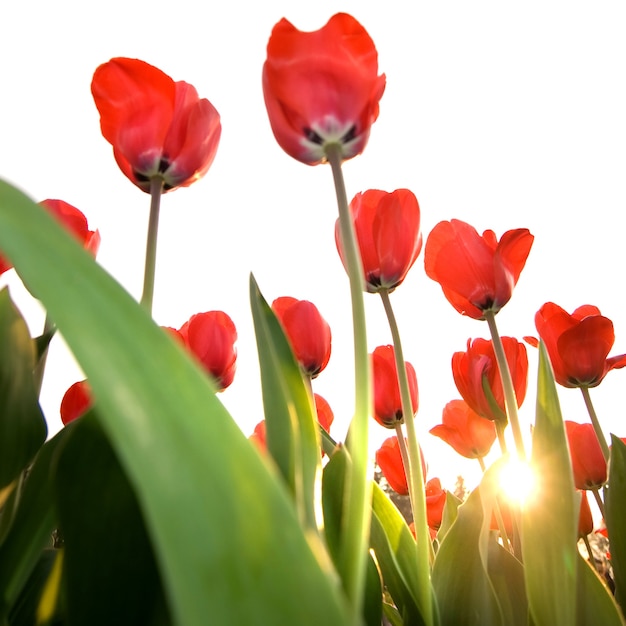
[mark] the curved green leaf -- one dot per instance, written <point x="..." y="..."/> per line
<point x="22" y="425"/>
<point x="224" y="530"/>
<point x="33" y="524"/>
<point x="595" y="604"/>
<point x="110" y="574"/>
<point x="465" y="594"/>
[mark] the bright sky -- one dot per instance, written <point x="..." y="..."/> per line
<point x="503" y="115"/>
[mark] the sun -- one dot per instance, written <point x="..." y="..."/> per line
<point x="518" y="481"/>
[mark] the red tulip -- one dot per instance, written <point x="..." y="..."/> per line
<point x="588" y="461"/>
<point x="578" y="344"/>
<point x="585" y="520"/>
<point x="211" y="337"/>
<point x="258" y="436"/>
<point x="307" y="331"/>
<point x="74" y="221"/>
<point x="467" y="432"/>
<point x="325" y="415"/>
<point x="435" y="503"/>
<point x="387" y="401"/>
<point x="322" y="88"/>
<point x="157" y="127"/>
<point x="477" y="273"/>
<point x="389" y="460"/>
<point x="478" y="363"/>
<point x="76" y="402"/>
<point x="387" y="228"/>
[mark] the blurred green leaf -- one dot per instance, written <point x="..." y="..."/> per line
<point x="615" y="509"/>
<point x="35" y="519"/>
<point x="25" y="611"/>
<point x="550" y="516"/>
<point x="109" y="572"/>
<point x="224" y="530"/>
<point x="292" y="431"/>
<point x="595" y="604"/>
<point x="22" y="424"/>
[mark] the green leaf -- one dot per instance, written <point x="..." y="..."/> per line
<point x="224" y="529"/>
<point x="34" y="521"/>
<point x="595" y="604"/>
<point x="22" y="424"/>
<point x="394" y="547"/>
<point x="465" y="594"/>
<point x="615" y="509"/>
<point x="291" y="427"/>
<point x="507" y="577"/>
<point x="333" y="483"/>
<point x="550" y="517"/>
<point x="109" y="571"/>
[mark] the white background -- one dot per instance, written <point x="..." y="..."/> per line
<point x="502" y="114"/>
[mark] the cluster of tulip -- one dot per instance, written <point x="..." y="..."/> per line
<point x="322" y="91"/>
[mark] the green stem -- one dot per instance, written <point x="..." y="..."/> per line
<point x="156" y="190"/>
<point x="501" y="440"/>
<point x="507" y="385"/>
<point x="48" y="327"/>
<point x="414" y="468"/>
<point x="596" y="423"/>
<point x="355" y="538"/>
<point x="599" y="502"/>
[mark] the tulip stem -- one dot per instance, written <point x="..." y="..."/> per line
<point x="596" y="495"/>
<point x="156" y="190"/>
<point x="358" y="488"/>
<point x="596" y="423"/>
<point x="38" y="372"/>
<point x="507" y="385"/>
<point x="414" y="467"/>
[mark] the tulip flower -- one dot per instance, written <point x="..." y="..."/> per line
<point x="322" y="88"/>
<point x="467" y="432"/>
<point x="258" y="436"/>
<point x="389" y="459"/>
<point x="211" y="338"/>
<point x="585" y="519"/>
<point x="387" y="227"/>
<point x="325" y="415"/>
<point x="307" y="331"/>
<point x="74" y="221"/>
<point x="387" y="400"/>
<point x="157" y="127"/>
<point x="477" y="366"/>
<point x="578" y="344"/>
<point x="588" y="463"/>
<point x="435" y="503"/>
<point x="76" y="402"/>
<point x="477" y="273"/>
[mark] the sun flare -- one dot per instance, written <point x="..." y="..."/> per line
<point x="518" y="481"/>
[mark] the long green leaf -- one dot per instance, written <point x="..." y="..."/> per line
<point x="291" y="425"/>
<point x="550" y="517"/>
<point x="224" y="531"/>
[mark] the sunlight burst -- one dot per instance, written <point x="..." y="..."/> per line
<point x="518" y="481"/>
